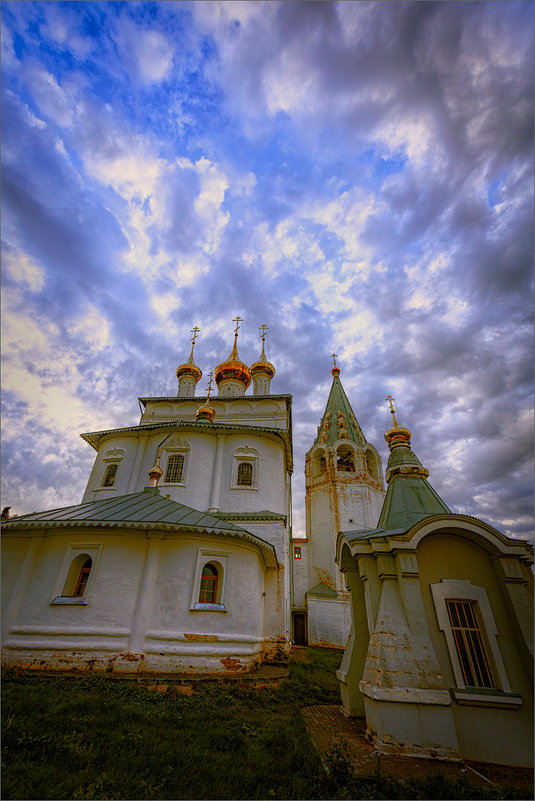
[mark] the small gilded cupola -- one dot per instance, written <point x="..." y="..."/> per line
<point x="262" y="371"/>
<point x="189" y="374"/>
<point x="206" y="412"/>
<point x="409" y="497"/>
<point x="233" y="376"/>
<point x="338" y="421"/>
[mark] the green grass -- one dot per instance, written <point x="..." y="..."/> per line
<point x="92" y="738"/>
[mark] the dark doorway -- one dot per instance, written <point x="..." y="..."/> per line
<point x="299" y="628"/>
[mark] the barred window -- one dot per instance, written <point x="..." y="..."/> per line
<point x="208" y="590"/>
<point x="245" y="474"/>
<point x="109" y="475"/>
<point x="469" y="643"/>
<point x="175" y="467"/>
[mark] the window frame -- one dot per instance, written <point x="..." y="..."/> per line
<point x="220" y="560"/>
<point x="170" y="465"/>
<point x="241" y="456"/>
<point x="72" y="552"/>
<point x="245" y="478"/>
<point x="107" y="470"/>
<point x="183" y="451"/>
<point x="211" y="587"/>
<point x="464" y="590"/>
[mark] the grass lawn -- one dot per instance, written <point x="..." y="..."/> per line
<point x="92" y="738"/>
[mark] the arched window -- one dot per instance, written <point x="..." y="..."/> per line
<point x="319" y="464"/>
<point x="208" y="590"/>
<point x="109" y="475"/>
<point x="245" y="474"/>
<point x="345" y="460"/>
<point x="371" y="464"/>
<point x="77" y="576"/>
<point x="175" y="468"/>
<point x="81" y="582"/>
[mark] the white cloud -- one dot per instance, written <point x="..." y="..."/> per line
<point x="146" y="52"/>
<point x="52" y="100"/>
<point x="94" y="329"/>
<point x="24" y="270"/>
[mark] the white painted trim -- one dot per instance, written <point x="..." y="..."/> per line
<point x="71" y="552"/>
<point x="222" y="559"/>
<point x="463" y="589"/>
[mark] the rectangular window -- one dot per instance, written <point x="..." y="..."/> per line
<point x="109" y="476"/>
<point x="297" y="552"/>
<point x="175" y="467"/>
<point x="469" y="643"/>
<point x="245" y="474"/>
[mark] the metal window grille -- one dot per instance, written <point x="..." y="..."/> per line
<point x="245" y="474"/>
<point x="208" y="591"/>
<point x="109" y="476"/>
<point x="175" y="467"/>
<point x="469" y="643"/>
<point x="83" y="578"/>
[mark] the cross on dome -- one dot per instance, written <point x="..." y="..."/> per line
<point x="335" y="370"/>
<point x="237" y="320"/>
<point x="209" y="389"/>
<point x="391" y="400"/>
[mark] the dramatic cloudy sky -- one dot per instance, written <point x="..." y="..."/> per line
<point x="355" y="175"/>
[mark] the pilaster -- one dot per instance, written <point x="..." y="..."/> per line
<point x="22" y="582"/>
<point x="215" y="489"/>
<point x="145" y="598"/>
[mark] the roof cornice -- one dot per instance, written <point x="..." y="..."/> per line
<point x="96" y="438"/>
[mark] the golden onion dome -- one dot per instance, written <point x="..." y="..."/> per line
<point x="205" y="413"/>
<point x="233" y="369"/>
<point x="189" y="369"/>
<point x="262" y="365"/>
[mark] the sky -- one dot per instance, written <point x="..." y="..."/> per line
<point x="357" y="176"/>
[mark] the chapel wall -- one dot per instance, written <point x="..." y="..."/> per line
<point x="450" y="557"/>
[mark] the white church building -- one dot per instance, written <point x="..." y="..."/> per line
<point x="177" y="559"/>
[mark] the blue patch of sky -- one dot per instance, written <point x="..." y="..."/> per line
<point x="494" y="192"/>
<point x="330" y="244"/>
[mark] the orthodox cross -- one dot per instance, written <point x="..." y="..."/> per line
<point x="237" y="320"/>
<point x="333" y="356"/>
<point x="195" y="332"/>
<point x="263" y="328"/>
<point x="391" y="400"/>
<point x="209" y="390"/>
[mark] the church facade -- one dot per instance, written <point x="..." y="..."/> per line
<point x="177" y="559"/>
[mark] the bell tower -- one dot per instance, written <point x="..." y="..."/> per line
<point x="344" y="490"/>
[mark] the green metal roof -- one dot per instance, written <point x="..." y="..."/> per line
<point x="141" y="510"/>
<point x="409" y="497"/>
<point x="370" y="533"/>
<point x="321" y="590"/>
<point x="260" y="517"/>
<point x="408" y="500"/>
<point x="338" y="402"/>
